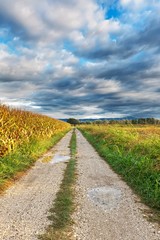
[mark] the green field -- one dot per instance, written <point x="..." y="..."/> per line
<point x="133" y="151"/>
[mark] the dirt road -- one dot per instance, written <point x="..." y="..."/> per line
<point x="24" y="207"/>
<point x="107" y="208"/>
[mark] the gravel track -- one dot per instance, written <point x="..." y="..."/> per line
<point x="24" y="207"/>
<point x="107" y="209"/>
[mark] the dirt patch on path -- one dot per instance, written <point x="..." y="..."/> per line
<point x="24" y="207"/>
<point x="107" y="208"/>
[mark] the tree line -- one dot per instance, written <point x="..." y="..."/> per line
<point x="154" y="121"/>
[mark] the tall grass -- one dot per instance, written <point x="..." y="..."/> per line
<point x="23" y="137"/>
<point x="134" y="153"/>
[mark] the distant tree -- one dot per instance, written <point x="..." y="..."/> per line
<point x="105" y="121"/>
<point x="151" y="120"/>
<point x="145" y="121"/>
<point x="134" y="121"/>
<point x="141" y="121"/>
<point x="112" y="121"/>
<point x="73" y="121"/>
<point x="98" y="121"/>
<point x="88" y="122"/>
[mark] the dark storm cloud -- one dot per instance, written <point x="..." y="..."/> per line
<point x="130" y="106"/>
<point x="107" y="102"/>
<point x="127" y="71"/>
<point x="150" y="36"/>
<point x="7" y="79"/>
<point x="67" y="84"/>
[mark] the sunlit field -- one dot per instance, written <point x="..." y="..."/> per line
<point x="133" y="151"/>
<point x="24" y="136"/>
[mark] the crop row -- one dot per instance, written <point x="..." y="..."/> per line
<point x="18" y="127"/>
<point x="24" y="136"/>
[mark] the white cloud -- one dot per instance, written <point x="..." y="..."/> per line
<point x="33" y="63"/>
<point x="143" y="96"/>
<point x="19" y="103"/>
<point x="3" y="52"/>
<point x="52" y="21"/>
<point x="133" y="3"/>
<point x="108" y="86"/>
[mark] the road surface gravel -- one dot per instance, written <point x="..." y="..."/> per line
<point x="107" y="209"/>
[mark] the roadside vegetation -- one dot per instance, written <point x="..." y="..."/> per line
<point x="24" y="136"/>
<point x="133" y="151"/>
<point x="63" y="207"/>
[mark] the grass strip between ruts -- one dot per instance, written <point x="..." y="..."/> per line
<point x="63" y="206"/>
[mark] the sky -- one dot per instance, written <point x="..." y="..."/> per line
<point x="81" y="58"/>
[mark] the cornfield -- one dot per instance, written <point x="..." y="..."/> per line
<point x="18" y="127"/>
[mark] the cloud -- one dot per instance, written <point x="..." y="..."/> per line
<point x="81" y="58"/>
<point x="48" y="20"/>
<point x="133" y="3"/>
